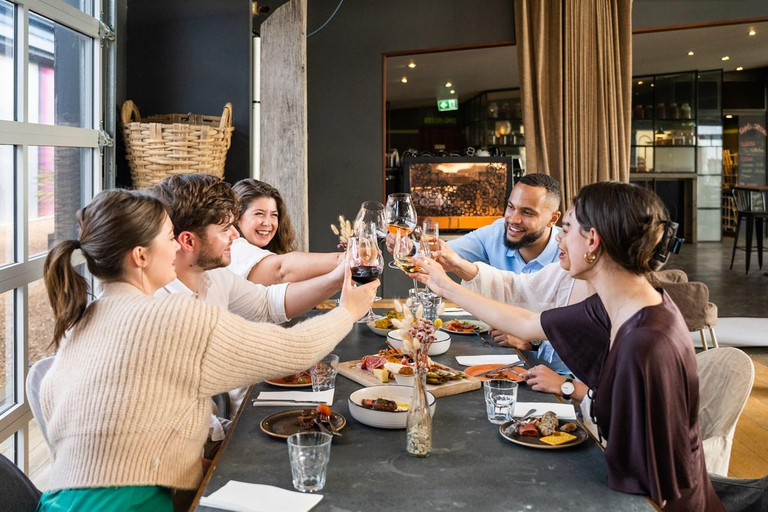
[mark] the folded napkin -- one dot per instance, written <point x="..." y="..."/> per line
<point x="282" y="398"/>
<point x="456" y="312"/>
<point x="244" y="497"/>
<point x="563" y="411"/>
<point x="490" y="359"/>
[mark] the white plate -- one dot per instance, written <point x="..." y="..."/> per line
<point x="482" y="327"/>
<point x="381" y="332"/>
<point x="440" y="346"/>
<point x="383" y="419"/>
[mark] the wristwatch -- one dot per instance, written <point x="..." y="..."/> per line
<point x="567" y="388"/>
<point x="536" y="343"/>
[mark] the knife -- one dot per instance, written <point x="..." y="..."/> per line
<point x="501" y="368"/>
<point x="309" y="402"/>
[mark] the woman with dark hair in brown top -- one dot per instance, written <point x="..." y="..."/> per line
<point x="628" y="343"/>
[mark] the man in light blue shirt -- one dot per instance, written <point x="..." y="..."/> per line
<point x="524" y="241"/>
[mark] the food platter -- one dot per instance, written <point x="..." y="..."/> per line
<point x="470" y="327"/>
<point x="515" y="374"/>
<point x="506" y="431"/>
<point x="285" y="423"/>
<point x="381" y="332"/>
<point x="290" y="381"/>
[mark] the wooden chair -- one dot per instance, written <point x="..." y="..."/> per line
<point x="752" y="206"/>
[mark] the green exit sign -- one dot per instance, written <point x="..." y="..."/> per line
<point x="449" y="104"/>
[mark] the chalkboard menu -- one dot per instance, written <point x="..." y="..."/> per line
<point x="752" y="150"/>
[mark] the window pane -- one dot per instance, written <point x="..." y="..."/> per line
<point x="57" y="179"/>
<point x="8" y="448"/>
<point x="6" y="204"/>
<point x="7" y="365"/>
<point x="39" y="458"/>
<point x="83" y="5"/>
<point x="7" y="74"/>
<point x="40" y="322"/>
<point x="60" y="74"/>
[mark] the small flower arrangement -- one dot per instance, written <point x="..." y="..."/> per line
<point x="343" y="231"/>
<point x="417" y="332"/>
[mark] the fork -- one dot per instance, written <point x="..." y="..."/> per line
<point x="324" y="418"/>
<point x="485" y="341"/>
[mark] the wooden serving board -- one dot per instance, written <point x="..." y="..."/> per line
<point x="351" y="370"/>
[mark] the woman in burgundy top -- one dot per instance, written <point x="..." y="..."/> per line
<point x="628" y="343"/>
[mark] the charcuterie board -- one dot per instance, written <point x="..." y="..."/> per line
<point x="352" y="370"/>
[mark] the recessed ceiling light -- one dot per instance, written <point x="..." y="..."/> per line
<point x="725" y="58"/>
<point x="448" y="84"/>
<point x="729" y="116"/>
<point x="453" y="92"/>
<point x="653" y="85"/>
<point x="411" y="65"/>
<point x="752" y="32"/>
<point x="740" y="68"/>
<point x="404" y="79"/>
<point x="640" y="82"/>
<point x="690" y="53"/>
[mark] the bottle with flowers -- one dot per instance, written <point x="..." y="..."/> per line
<point x="418" y="334"/>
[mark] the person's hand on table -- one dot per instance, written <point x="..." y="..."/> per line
<point x="541" y="378"/>
<point x="507" y="340"/>
<point x="357" y="300"/>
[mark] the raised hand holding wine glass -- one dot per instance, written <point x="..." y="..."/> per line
<point x="365" y="261"/>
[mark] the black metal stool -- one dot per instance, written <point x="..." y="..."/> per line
<point x="751" y="206"/>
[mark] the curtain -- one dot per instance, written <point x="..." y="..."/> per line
<point x="575" y="61"/>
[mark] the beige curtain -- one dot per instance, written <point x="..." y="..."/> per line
<point x="575" y="61"/>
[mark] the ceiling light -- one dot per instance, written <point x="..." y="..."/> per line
<point x="752" y="32"/>
<point x="412" y="65"/>
<point x="653" y="85"/>
<point x="453" y="92"/>
<point x="448" y="84"/>
<point x="690" y="53"/>
<point x="640" y="82"/>
<point x="404" y="79"/>
<point x="740" y="68"/>
<point x="725" y="58"/>
<point x="729" y="116"/>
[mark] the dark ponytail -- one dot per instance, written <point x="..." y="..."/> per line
<point x="113" y="224"/>
<point x="67" y="290"/>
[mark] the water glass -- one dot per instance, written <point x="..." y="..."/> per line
<point x="500" y="398"/>
<point x="324" y="372"/>
<point x="309" y="453"/>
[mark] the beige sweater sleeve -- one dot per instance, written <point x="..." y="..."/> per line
<point x="240" y="352"/>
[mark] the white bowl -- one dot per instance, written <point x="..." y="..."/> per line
<point x="383" y="419"/>
<point x="439" y="346"/>
<point x="402" y="380"/>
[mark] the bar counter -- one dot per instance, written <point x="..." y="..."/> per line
<point x="471" y="468"/>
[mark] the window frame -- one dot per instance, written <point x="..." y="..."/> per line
<point x="21" y="135"/>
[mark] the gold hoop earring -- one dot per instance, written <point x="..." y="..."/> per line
<point x="590" y="258"/>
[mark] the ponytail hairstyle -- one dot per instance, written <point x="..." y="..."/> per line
<point x="285" y="237"/>
<point x="632" y="222"/>
<point x="113" y="224"/>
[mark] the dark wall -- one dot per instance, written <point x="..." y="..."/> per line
<point x="345" y="88"/>
<point x="189" y="56"/>
<point x="667" y="13"/>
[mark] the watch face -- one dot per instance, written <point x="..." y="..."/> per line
<point x="567" y="388"/>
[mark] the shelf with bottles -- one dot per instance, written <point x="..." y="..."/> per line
<point x="494" y="118"/>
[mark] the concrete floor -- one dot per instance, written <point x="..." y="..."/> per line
<point x="735" y="292"/>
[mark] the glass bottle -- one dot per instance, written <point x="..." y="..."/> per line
<point x="419" y="422"/>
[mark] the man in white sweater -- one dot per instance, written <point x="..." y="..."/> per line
<point x="203" y="210"/>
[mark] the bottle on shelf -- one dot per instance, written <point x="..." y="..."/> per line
<point x="661" y="111"/>
<point x="685" y="111"/>
<point x="673" y="112"/>
<point x="638" y="113"/>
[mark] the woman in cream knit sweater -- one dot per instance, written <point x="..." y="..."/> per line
<point x="127" y="351"/>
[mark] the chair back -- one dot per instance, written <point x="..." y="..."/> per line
<point x="17" y="492"/>
<point x="34" y="379"/>
<point x="750" y="200"/>
<point x="690" y="297"/>
<point x="726" y="376"/>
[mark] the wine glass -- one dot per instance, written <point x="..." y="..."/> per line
<point x="366" y="263"/>
<point x="400" y="214"/>
<point x="430" y="234"/>
<point x="372" y="213"/>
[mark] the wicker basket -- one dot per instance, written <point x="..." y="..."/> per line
<point x="162" y="145"/>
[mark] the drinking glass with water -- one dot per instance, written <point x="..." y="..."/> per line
<point x="500" y="398"/>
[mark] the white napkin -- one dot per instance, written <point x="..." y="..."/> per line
<point x="563" y="411"/>
<point x="283" y="398"/>
<point x="244" y="497"/>
<point x="456" y="312"/>
<point x="490" y="359"/>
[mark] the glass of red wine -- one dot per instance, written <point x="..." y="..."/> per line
<point x="371" y="220"/>
<point x="366" y="262"/>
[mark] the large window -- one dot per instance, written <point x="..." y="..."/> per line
<point x="50" y="165"/>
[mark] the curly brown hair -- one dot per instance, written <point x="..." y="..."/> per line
<point x="196" y="201"/>
<point x="631" y="222"/>
<point x="250" y="189"/>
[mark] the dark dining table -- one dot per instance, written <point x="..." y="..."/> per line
<point x="471" y="468"/>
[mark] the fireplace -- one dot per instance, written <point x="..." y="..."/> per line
<point x="461" y="193"/>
